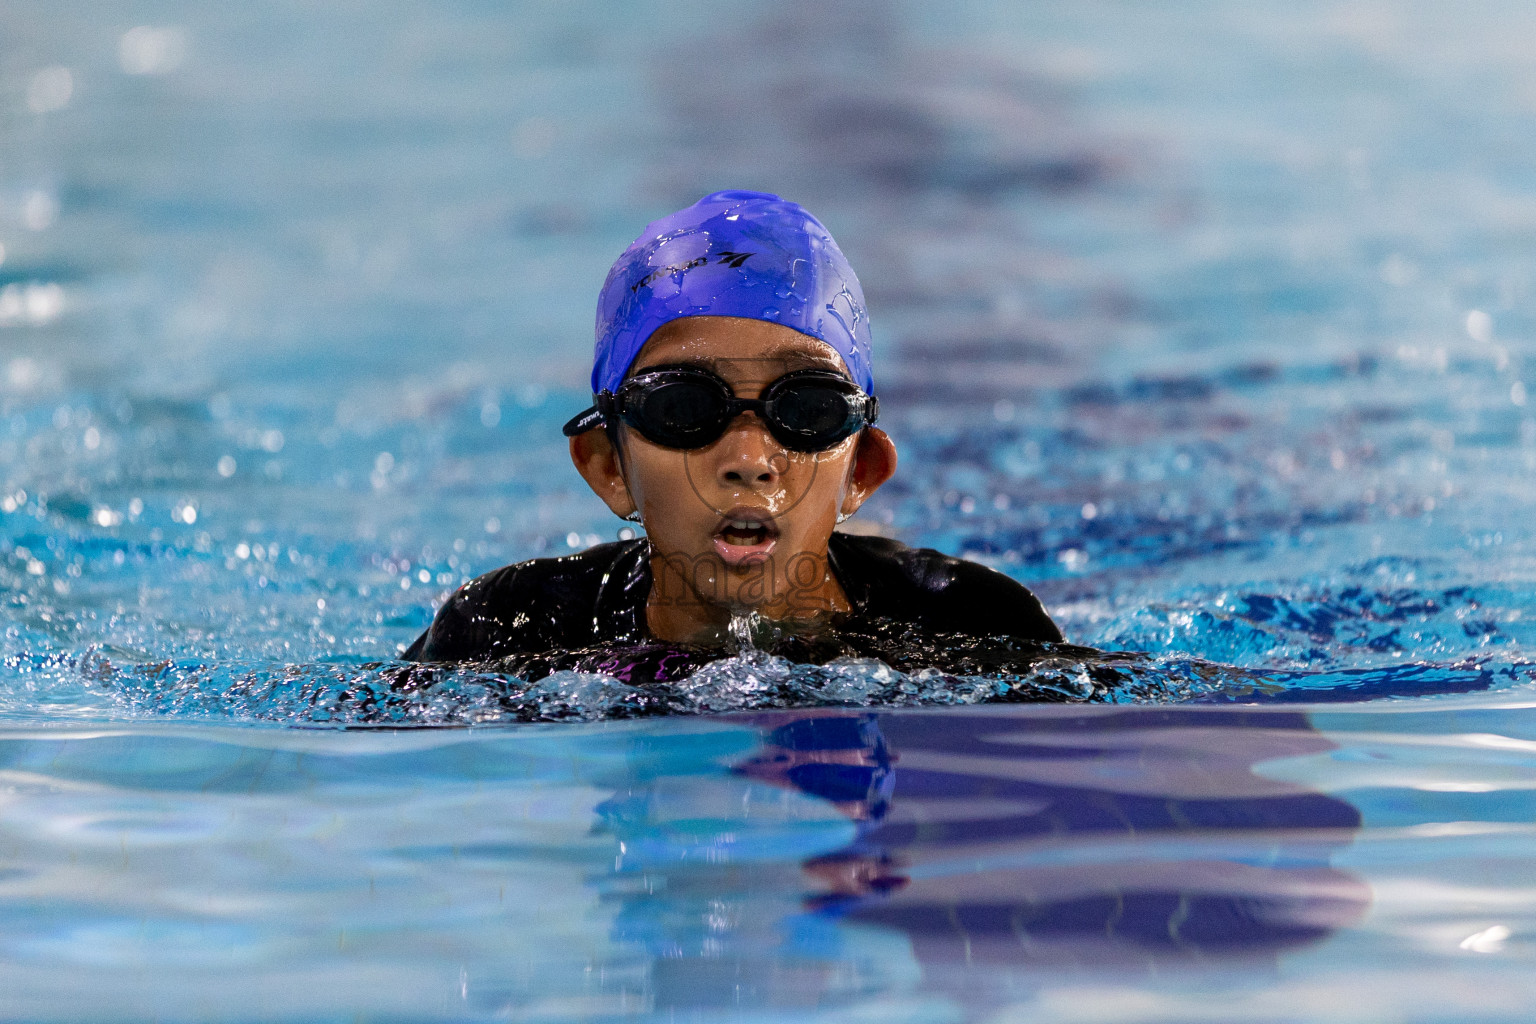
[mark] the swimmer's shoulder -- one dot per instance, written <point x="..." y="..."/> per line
<point x="536" y="605"/>
<point x="938" y="591"/>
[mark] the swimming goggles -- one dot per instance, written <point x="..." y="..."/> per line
<point x="688" y="407"/>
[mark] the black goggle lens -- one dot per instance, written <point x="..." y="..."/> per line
<point x="677" y="413"/>
<point x="808" y="411"/>
<point x="816" y="411"/>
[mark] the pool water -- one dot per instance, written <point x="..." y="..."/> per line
<point x="1209" y="323"/>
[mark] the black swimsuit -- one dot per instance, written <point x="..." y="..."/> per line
<point x="596" y="599"/>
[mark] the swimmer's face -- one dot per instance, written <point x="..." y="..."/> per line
<point x="743" y="522"/>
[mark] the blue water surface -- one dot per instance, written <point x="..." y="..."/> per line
<point x="1208" y="322"/>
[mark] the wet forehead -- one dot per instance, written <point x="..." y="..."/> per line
<point x="741" y="351"/>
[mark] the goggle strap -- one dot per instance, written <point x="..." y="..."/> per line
<point x="592" y="418"/>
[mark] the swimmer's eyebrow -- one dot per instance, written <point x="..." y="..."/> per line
<point x="805" y="360"/>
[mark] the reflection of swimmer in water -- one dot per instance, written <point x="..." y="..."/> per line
<point x="734" y="419"/>
<point x="998" y="839"/>
<point x="972" y="855"/>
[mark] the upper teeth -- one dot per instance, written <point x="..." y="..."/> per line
<point x="744" y="524"/>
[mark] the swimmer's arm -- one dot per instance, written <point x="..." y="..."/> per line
<point x="985" y="602"/>
<point x="472" y="624"/>
<point x="943" y="593"/>
<point x="1005" y="607"/>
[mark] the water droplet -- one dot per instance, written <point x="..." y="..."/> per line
<point x="50" y="90"/>
<point x="151" y="50"/>
<point x="742" y="622"/>
<point x="1479" y="325"/>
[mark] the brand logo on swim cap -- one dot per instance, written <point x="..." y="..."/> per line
<point x="733" y="259"/>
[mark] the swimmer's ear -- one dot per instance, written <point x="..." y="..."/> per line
<point x="873" y="464"/>
<point x="597" y="460"/>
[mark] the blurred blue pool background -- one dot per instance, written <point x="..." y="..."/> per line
<point x="1209" y="321"/>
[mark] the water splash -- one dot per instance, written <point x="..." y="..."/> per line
<point x="405" y="694"/>
<point x="743" y="621"/>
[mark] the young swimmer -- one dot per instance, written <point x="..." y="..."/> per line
<point x="733" y="418"/>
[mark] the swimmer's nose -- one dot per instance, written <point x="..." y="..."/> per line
<point x="747" y="454"/>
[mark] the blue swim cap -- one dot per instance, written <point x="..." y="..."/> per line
<point x="744" y="254"/>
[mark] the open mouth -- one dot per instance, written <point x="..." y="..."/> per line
<point x="745" y="536"/>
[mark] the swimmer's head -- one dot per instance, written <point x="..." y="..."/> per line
<point x="740" y="254"/>
<point x="732" y="374"/>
